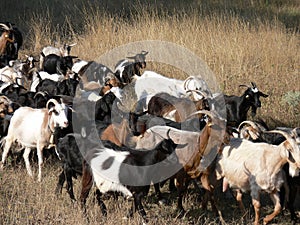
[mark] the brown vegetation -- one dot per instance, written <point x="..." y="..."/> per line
<point x="241" y="41"/>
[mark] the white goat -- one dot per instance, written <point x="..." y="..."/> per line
<point x="151" y="83"/>
<point x="257" y="167"/>
<point x="33" y="128"/>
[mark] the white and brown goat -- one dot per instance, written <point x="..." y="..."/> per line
<point x="33" y="128"/>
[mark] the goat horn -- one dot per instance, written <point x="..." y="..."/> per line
<point x="243" y="85"/>
<point x="5" y="27"/>
<point x="71" y="45"/>
<point x="287" y="136"/>
<point x="251" y="123"/>
<point x="209" y="113"/>
<point x="144" y="52"/>
<point x="186" y="80"/>
<point x="41" y="93"/>
<point x="52" y="100"/>
<point x="6" y="98"/>
<point x="253" y="84"/>
<point x="198" y="92"/>
<point x="296" y="132"/>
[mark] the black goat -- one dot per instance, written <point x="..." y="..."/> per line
<point x="54" y="64"/>
<point x="237" y="107"/>
<point x="104" y="107"/>
<point x="64" y="87"/>
<point x="125" y="71"/>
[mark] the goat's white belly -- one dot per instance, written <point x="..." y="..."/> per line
<point x="106" y="168"/>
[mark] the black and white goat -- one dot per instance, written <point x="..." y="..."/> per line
<point x="124" y="170"/>
<point x="54" y="64"/>
<point x="126" y="71"/>
<point x="62" y="51"/>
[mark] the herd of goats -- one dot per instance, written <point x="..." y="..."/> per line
<point x="176" y="130"/>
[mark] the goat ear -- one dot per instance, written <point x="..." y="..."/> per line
<point x="253" y="84"/>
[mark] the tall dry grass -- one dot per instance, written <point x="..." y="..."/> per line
<point x="238" y="49"/>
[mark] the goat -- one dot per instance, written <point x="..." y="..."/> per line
<point x="253" y="131"/>
<point x="11" y="41"/>
<point x="54" y="64"/>
<point x="151" y="83"/>
<point x="33" y="128"/>
<point x="237" y="107"/>
<point x="63" y="87"/>
<point x="10" y="75"/>
<point x="94" y="75"/>
<point x="64" y="50"/>
<point x="196" y="152"/>
<point x="6" y="110"/>
<point x="174" y="108"/>
<point x="256" y="167"/>
<point x="126" y="71"/>
<point x="4" y="38"/>
<point x="112" y="169"/>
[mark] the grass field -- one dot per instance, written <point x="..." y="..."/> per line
<point x="240" y="41"/>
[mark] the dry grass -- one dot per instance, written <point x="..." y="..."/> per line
<point x="238" y="45"/>
<point x="236" y="50"/>
<point x="25" y="201"/>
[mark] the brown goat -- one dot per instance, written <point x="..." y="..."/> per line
<point x="4" y="39"/>
<point x="174" y="108"/>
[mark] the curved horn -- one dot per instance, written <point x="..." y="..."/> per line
<point x="144" y="52"/>
<point x="244" y="85"/>
<point x="40" y="93"/>
<point x="296" y="132"/>
<point x="204" y="94"/>
<point x="209" y="113"/>
<point x="52" y="100"/>
<point x="251" y="123"/>
<point x="71" y="45"/>
<point x="253" y="84"/>
<point x="287" y="136"/>
<point x="186" y="80"/>
<point x="6" y="98"/>
<point x="5" y="27"/>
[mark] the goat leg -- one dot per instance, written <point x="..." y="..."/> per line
<point x="60" y="183"/>
<point x="277" y="207"/>
<point x="139" y="206"/>
<point x="68" y="174"/>
<point x="101" y="203"/>
<point x="86" y="185"/>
